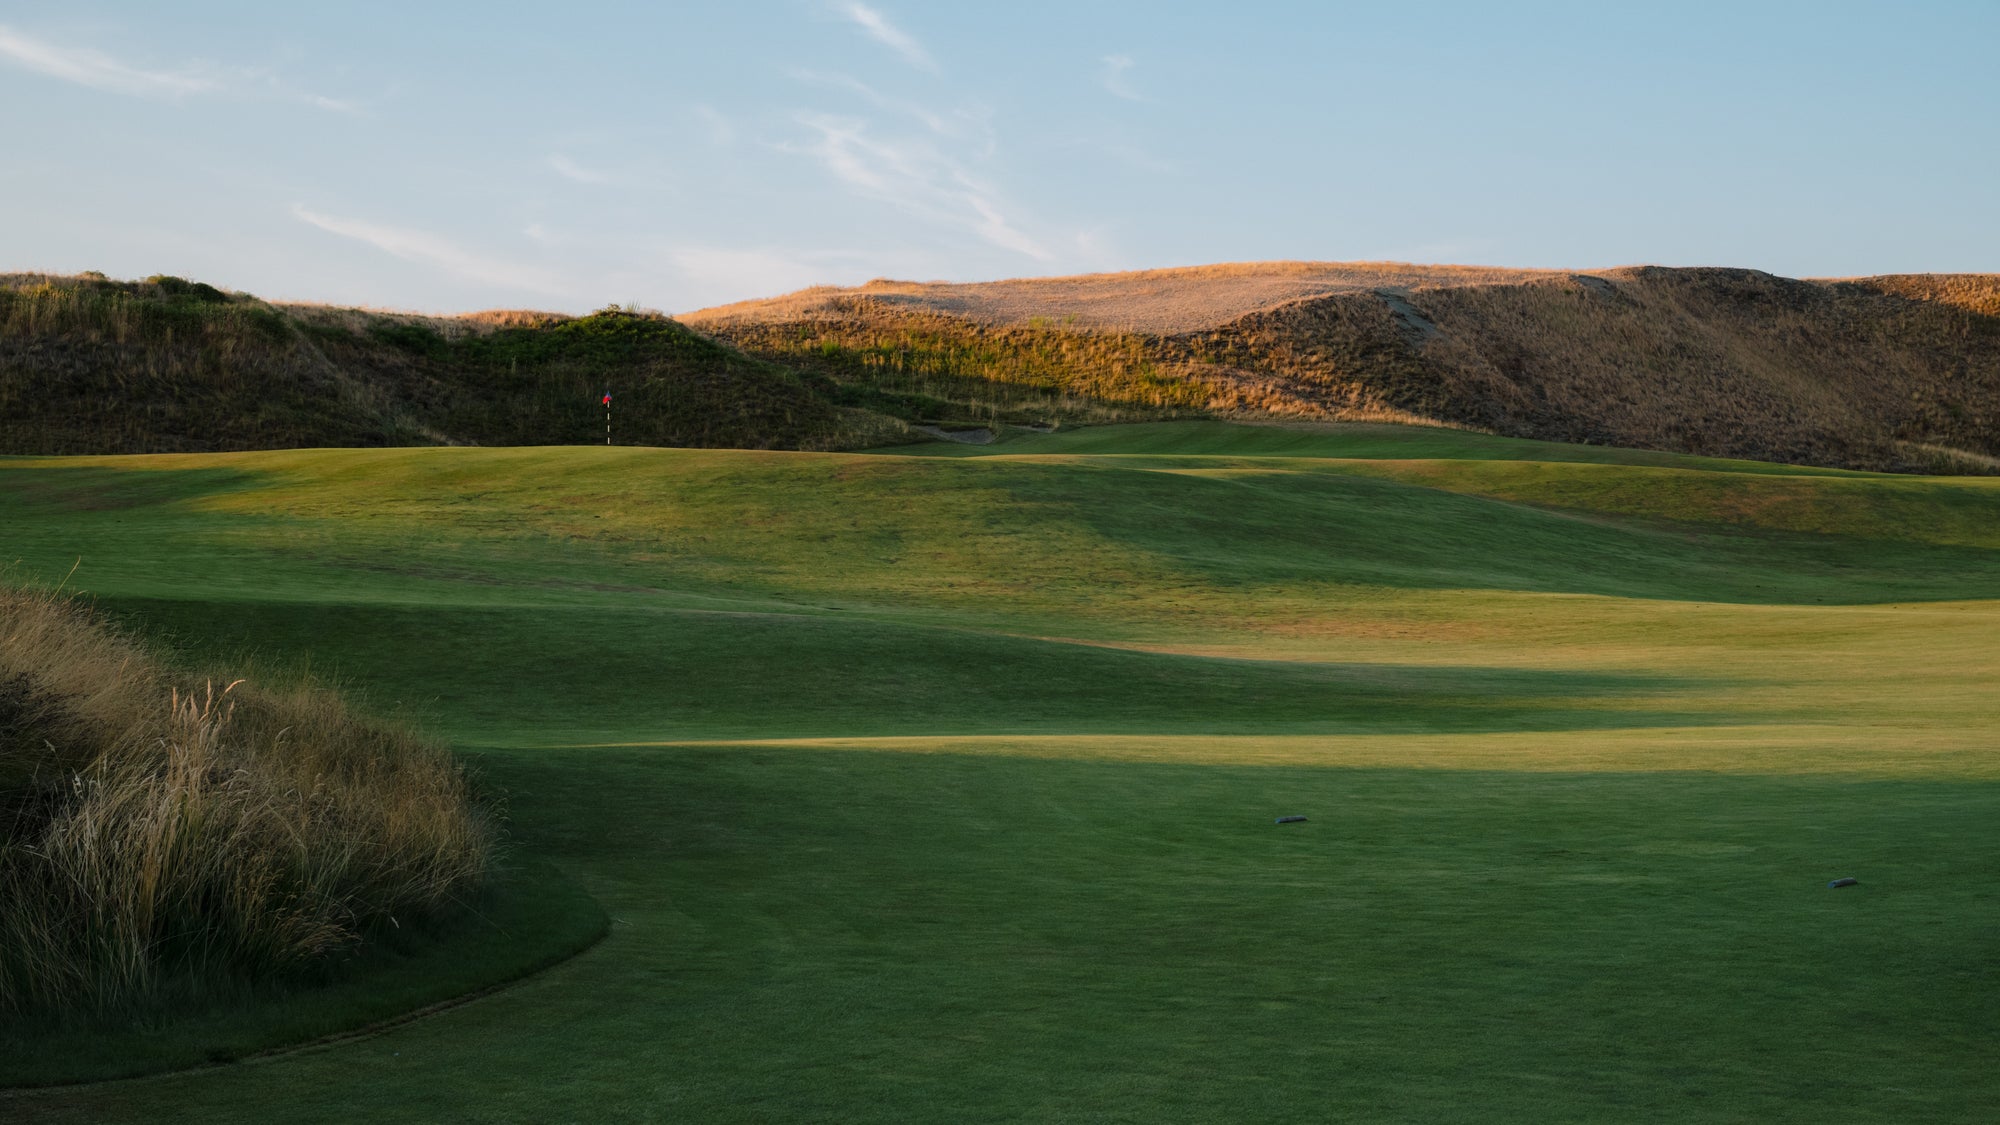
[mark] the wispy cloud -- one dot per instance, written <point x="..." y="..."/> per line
<point x="431" y="250"/>
<point x="97" y="70"/>
<point x="888" y="34"/>
<point x="963" y="123"/>
<point x="570" y="170"/>
<point x="1112" y="78"/>
<point x="916" y="178"/>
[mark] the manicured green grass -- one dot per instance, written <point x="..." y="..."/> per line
<point x="942" y="788"/>
<point x="1319" y="439"/>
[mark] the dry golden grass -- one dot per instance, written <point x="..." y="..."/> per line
<point x="1157" y="302"/>
<point x="1898" y="373"/>
<point x="1726" y="362"/>
<point x="1978" y="292"/>
<point x="160" y="834"/>
<point x="57" y="290"/>
<point x="447" y="326"/>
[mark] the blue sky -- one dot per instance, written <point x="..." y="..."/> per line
<point x="452" y="157"/>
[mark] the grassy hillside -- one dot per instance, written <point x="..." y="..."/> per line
<point x="1725" y="362"/>
<point x="1894" y="373"/>
<point x="930" y="366"/>
<point x="1897" y="373"/>
<point x="943" y="786"/>
<point x="89" y="365"/>
<point x="1979" y="293"/>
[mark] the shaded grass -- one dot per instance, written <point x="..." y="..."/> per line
<point x="1953" y="513"/>
<point x="531" y="917"/>
<point x="631" y="673"/>
<point x="1287" y="529"/>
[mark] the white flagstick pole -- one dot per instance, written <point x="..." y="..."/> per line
<point x="607" y="417"/>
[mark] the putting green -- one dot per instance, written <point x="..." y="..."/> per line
<point x="940" y="784"/>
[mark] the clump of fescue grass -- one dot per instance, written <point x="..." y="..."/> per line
<point x="161" y="836"/>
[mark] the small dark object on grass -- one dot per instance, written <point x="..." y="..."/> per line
<point x="1289" y="819"/>
<point x="1848" y="882"/>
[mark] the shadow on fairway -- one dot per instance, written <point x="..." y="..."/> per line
<point x="561" y="676"/>
<point x="534" y="916"/>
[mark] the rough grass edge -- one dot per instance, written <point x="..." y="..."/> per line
<point x="166" y="839"/>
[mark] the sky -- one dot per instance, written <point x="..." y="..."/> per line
<point x="449" y="157"/>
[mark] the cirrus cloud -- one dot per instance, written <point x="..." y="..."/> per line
<point x="97" y="70"/>
<point x="917" y="178"/>
<point x="427" y="249"/>
<point x="888" y="34"/>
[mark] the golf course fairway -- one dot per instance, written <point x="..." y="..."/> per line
<point x="939" y="784"/>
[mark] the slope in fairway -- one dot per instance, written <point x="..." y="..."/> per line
<point x="1330" y="440"/>
<point x="942" y="787"/>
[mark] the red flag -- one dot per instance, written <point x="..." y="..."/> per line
<point x="607" y="398"/>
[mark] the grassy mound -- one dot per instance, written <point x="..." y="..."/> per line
<point x="1894" y="373"/>
<point x="89" y="365"/>
<point x="164" y="839"/>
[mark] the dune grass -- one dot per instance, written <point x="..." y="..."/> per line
<point x="937" y="368"/>
<point x="1895" y="373"/>
<point x="1162" y="302"/>
<point x="930" y="788"/>
<point x="91" y="365"/>
<point x="164" y="839"/>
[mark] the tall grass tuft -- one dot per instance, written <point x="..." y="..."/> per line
<point x="162" y="836"/>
